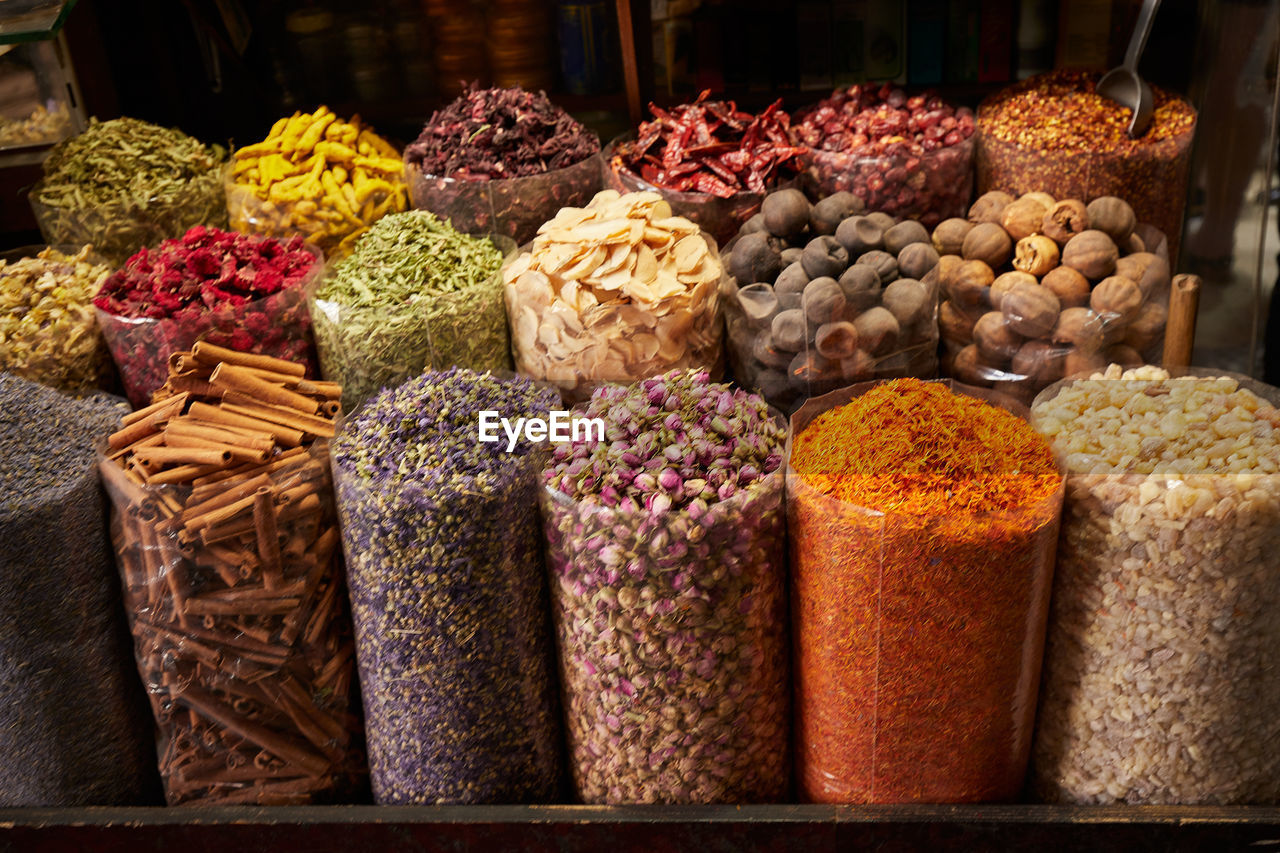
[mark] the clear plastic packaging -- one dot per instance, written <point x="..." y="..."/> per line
<point x="73" y="721"/>
<point x="251" y="681"/>
<point x="513" y="208"/>
<point x="918" y="641"/>
<point x="673" y="647"/>
<point x="277" y="325"/>
<point x="367" y="349"/>
<point x="1159" y="665"/>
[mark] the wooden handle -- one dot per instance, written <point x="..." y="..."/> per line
<point x="1180" y="331"/>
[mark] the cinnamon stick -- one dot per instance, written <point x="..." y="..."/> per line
<point x="212" y="355"/>
<point x="236" y="378"/>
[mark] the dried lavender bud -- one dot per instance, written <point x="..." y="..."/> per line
<point x="448" y="593"/>
<point x="666" y="560"/>
<point x="74" y="730"/>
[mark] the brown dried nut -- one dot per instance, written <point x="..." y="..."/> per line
<point x="1147" y="328"/>
<point x="946" y="269"/>
<point x="878" y="330"/>
<point x="758" y="302"/>
<point x="1019" y="389"/>
<point x="1135" y="244"/>
<point x="1005" y="283"/>
<point x="885" y="264"/>
<point x="1155" y="279"/>
<point x="908" y="301"/>
<point x="1081" y="361"/>
<point x="1113" y="216"/>
<point x="1040" y="361"/>
<point x="955" y="326"/>
<point x="861" y="287"/>
<point x="825" y="216"/>
<point x="949" y="236"/>
<point x="884" y="220"/>
<point x="989" y="243"/>
<point x="1116" y="299"/>
<point x="1079" y="327"/>
<point x="1023" y="218"/>
<point x="989" y="206"/>
<point x="823" y="301"/>
<point x="858" y="367"/>
<point x="904" y="234"/>
<point x="773" y="384"/>
<point x="1065" y="220"/>
<point x="836" y="340"/>
<point x="1091" y="252"/>
<point x="1036" y="255"/>
<point x="967" y="366"/>
<point x="969" y="285"/>
<point x="1132" y="266"/>
<point x="791" y="256"/>
<point x="811" y="366"/>
<point x="997" y="342"/>
<point x="765" y="353"/>
<point x="1044" y="198"/>
<point x="1032" y="309"/>
<point x="790" y="331"/>
<point x="916" y="260"/>
<point x="860" y="234"/>
<point x="1125" y="356"/>
<point x="1071" y="288"/>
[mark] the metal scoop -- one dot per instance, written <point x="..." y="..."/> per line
<point x="1123" y="85"/>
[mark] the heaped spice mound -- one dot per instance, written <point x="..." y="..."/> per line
<point x="489" y="134"/>
<point x="916" y="447"/>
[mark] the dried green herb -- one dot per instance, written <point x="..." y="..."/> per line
<point x="124" y="184"/>
<point x="414" y="294"/>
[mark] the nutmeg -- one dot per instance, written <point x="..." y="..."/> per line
<point x="1135" y="244"/>
<point x="916" y="259"/>
<point x="989" y="206"/>
<point x="1125" y="356"/>
<point x="969" y="284"/>
<point x="1040" y="362"/>
<point x="1080" y="327"/>
<point x="904" y="234"/>
<point x="764" y="351"/>
<point x="823" y="301"/>
<point x="878" y="330"/>
<point x="860" y="234"/>
<point x="836" y="340"/>
<point x="1116" y="299"/>
<point x="1083" y="362"/>
<point x="861" y="287"/>
<point x="1071" y="288"/>
<point x="1043" y="197"/>
<point x="1113" y="216"/>
<point x="1065" y="220"/>
<point x="885" y="264"/>
<point x="811" y="366"/>
<point x="1023" y="218"/>
<point x="1155" y="278"/>
<point x="1005" y="282"/>
<point x="1133" y="265"/>
<point x="758" y="302"/>
<point x="949" y="236"/>
<point x="1148" y="327"/>
<point x="967" y="366"/>
<point x="955" y="326"/>
<point x="790" y="330"/>
<point x="791" y="280"/>
<point x="996" y="340"/>
<point x="1032" y="309"/>
<point x="1035" y="255"/>
<point x="1092" y="252"/>
<point x="908" y="301"/>
<point x="989" y="243"/>
<point x="884" y="220"/>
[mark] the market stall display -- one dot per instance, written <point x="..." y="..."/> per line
<point x="1055" y="133"/>
<point x="73" y="728"/>
<point x="414" y="294"/>
<point x="502" y="161"/>
<point x="820" y="296"/>
<point x="617" y="291"/>
<point x="1035" y="289"/>
<point x="922" y="518"/>
<point x="125" y="184"/>
<point x="1165" y="606"/>
<point x="318" y="177"/>
<point x="227" y="543"/>
<point x="712" y="162"/>
<point x="228" y="289"/>
<point x="448" y="593"/>
<point x="909" y="157"/>
<point x="667" y="559"/>
<point x="48" y="331"/>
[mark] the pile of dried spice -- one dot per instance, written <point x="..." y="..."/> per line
<point x="922" y="525"/>
<point x="48" y="332"/>
<point x="667" y="580"/>
<point x="502" y="161"/>
<point x="1166" y="612"/>
<point x="73" y="727"/>
<point x="448" y="593"/>
<point x="229" y="289"/>
<point x="905" y="156"/>
<point x="1055" y="133"/>
<point x="414" y="294"/>
<point x="124" y="184"/>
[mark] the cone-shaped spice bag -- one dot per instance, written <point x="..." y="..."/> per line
<point x="667" y="559"/>
<point x="1160" y="677"/>
<point x="73" y="727"/>
<point x="227" y="541"/>
<point x="923" y="520"/>
<point x="448" y="592"/>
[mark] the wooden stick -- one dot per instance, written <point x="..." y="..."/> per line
<point x="1180" y="331"/>
<point x="212" y="355"/>
<point x="242" y="380"/>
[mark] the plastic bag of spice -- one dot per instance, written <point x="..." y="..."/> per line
<point x="922" y="518"/>
<point x="666" y="552"/>
<point x="414" y="295"/>
<point x="448" y="592"/>
<point x="228" y="548"/>
<point x="73" y="727"/>
<point x="1035" y="289"/>
<point x="1159" y="664"/>
<point x="228" y="289"/>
